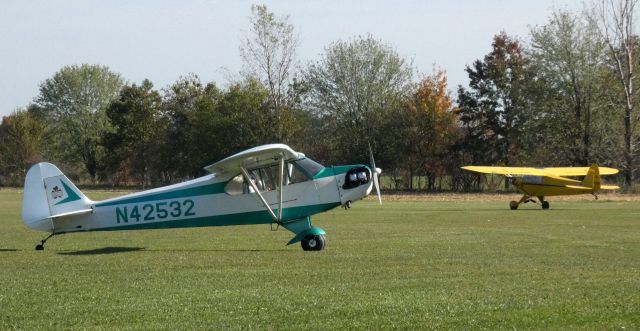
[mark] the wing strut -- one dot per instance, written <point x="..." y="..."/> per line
<point x="247" y="177"/>
<point x="281" y="188"/>
<point x="255" y="190"/>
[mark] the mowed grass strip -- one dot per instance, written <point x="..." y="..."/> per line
<point x="406" y="264"/>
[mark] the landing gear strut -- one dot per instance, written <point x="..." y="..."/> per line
<point x="40" y="247"/>
<point x="313" y="242"/>
<point x="525" y="198"/>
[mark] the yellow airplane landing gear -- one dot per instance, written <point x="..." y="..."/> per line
<point x="514" y="204"/>
<point x="545" y="204"/>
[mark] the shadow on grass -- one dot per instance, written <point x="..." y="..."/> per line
<point x="8" y="250"/>
<point x="104" y="250"/>
<point x="218" y="250"/>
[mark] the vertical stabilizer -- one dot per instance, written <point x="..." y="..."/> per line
<point x="48" y="193"/>
<point x="592" y="179"/>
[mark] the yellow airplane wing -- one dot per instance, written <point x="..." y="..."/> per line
<point x="508" y="171"/>
<point x="558" y="172"/>
<point x="579" y="171"/>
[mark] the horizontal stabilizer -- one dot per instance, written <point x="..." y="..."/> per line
<point x="72" y="213"/>
<point x="577" y="187"/>
<point x="609" y="187"/>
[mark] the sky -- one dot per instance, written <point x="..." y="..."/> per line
<point x="163" y="40"/>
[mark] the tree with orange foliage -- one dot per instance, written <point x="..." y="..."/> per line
<point x="431" y="118"/>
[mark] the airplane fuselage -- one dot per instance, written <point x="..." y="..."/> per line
<point x="207" y="201"/>
<point x="550" y="186"/>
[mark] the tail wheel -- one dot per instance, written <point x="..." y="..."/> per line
<point x="545" y="204"/>
<point x="313" y="242"/>
<point x="513" y="205"/>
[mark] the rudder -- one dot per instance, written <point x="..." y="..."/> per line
<point x="48" y="194"/>
<point x="592" y="179"/>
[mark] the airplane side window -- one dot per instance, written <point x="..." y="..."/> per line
<point x="295" y="175"/>
<point x="266" y="179"/>
<point x="236" y="186"/>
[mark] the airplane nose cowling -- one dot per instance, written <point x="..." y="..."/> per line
<point x="356" y="184"/>
<point x="355" y="177"/>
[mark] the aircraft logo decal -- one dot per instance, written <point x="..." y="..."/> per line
<point x="56" y="193"/>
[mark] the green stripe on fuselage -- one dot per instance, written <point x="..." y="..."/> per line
<point x="256" y="217"/>
<point x="172" y="194"/>
<point x="335" y="170"/>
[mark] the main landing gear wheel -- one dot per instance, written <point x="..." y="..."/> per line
<point x="513" y="205"/>
<point x="313" y="242"/>
<point x="545" y="204"/>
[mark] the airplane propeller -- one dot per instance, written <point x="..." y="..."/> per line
<point x="376" y="173"/>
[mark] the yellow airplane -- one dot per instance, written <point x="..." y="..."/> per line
<point x="541" y="182"/>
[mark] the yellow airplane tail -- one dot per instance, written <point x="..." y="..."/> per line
<point x="592" y="179"/>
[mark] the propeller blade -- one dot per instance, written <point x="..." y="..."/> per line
<point x="375" y="172"/>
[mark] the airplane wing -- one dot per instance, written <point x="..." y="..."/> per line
<point x="579" y="171"/>
<point x="257" y="156"/>
<point x="558" y="172"/>
<point x="508" y="171"/>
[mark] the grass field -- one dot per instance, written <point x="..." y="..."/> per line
<point x="409" y="264"/>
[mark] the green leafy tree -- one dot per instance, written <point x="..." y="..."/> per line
<point x="21" y="140"/>
<point x="73" y="103"/>
<point x="133" y="144"/>
<point x="352" y="90"/>
<point x="180" y="102"/>
<point x="570" y="89"/>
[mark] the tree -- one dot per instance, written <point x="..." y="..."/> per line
<point x="133" y="144"/>
<point x="73" y="102"/>
<point x="353" y="89"/>
<point x="567" y="54"/>
<point x="269" y="54"/>
<point x="430" y="127"/>
<point x="615" y="19"/>
<point x="21" y="138"/>
<point x="494" y="112"/>
<point x="180" y="102"/>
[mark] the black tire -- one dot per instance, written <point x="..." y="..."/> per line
<point x="39" y="247"/>
<point x="513" y="205"/>
<point x="545" y="204"/>
<point x="313" y="242"/>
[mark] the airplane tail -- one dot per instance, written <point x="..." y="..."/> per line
<point x="592" y="179"/>
<point x="49" y="194"/>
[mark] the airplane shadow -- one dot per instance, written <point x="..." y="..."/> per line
<point x="104" y="250"/>
<point x="8" y="250"/>
<point x="218" y="250"/>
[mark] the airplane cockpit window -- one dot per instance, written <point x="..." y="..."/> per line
<point x="268" y="178"/>
<point x="310" y="166"/>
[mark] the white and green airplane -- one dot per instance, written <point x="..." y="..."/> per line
<point x="269" y="184"/>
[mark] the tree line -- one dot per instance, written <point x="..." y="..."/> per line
<point x="566" y="97"/>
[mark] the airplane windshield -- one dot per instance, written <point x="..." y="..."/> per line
<point x="310" y="166"/>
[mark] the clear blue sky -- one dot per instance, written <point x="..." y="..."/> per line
<point x="162" y="40"/>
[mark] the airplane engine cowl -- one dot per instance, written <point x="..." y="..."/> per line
<point x="356" y="177"/>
